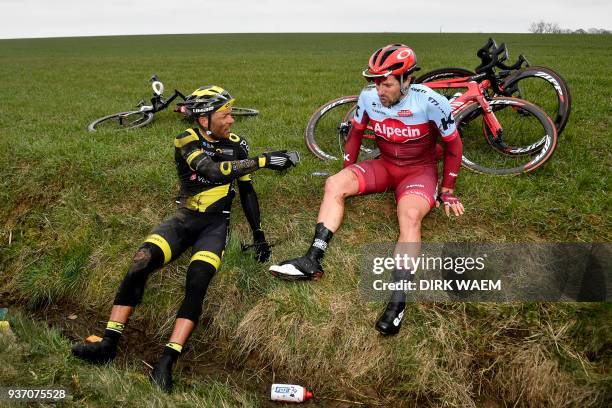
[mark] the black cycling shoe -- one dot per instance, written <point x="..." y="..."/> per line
<point x="161" y="375"/>
<point x="303" y="268"/>
<point x="390" y="321"/>
<point x="101" y="352"/>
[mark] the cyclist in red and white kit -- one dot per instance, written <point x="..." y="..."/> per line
<point x="407" y="120"/>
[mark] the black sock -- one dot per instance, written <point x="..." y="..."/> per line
<point x="403" y="276"/>
<point x="113" y="332"/>
<point x="319" y="242"/>
<point x="173" y="350"/>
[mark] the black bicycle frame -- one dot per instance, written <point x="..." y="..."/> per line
<point x="160" y="103"/>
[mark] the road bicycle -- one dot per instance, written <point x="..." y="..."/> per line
<point x="540" y="85"/>
<point x="515" y="128"/>
<point x="144" y="114"/>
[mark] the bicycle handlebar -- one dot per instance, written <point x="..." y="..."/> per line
<point x="157" y="101"/>
<point x="493" y="56"/>
<point x="521" y="59"/>
<point x="490" y="59"/>
<point x="486" y="48"/>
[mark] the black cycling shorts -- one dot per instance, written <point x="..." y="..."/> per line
<point x="206" y="233"/>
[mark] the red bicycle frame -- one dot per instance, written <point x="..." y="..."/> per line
<point x="475" y="94"/>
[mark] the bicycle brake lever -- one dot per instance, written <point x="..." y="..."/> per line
<point x="525" y="60"/>
<point x="486" y="49"/>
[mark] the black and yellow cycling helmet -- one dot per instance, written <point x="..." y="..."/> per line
<point x="205" y="100"/>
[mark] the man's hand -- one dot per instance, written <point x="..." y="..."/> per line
<point x="279" y="160"/>
<point x="262" y="251"/>
<point x="260" y="246"/>
<point x="450" y="203"/>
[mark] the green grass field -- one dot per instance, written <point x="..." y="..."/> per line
<point x="74" y="206"/>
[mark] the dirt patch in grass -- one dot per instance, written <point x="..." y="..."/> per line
<point x="194" y="366"/>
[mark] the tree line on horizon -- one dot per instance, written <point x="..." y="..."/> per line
<point x="543" y="27"/>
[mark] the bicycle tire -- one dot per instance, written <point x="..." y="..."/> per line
<point x="236" y="111"/>
<point x="558" y="110"/>
<point x="311" y="133"/>
<point x="443" y="73"/>
<point x="142" y="119"/>
<point x="473" y="111"/>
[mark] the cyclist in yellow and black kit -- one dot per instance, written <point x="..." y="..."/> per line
<point x="208" y="160"/>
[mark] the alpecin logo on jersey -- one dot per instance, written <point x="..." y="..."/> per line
<point x="394" y="130"/>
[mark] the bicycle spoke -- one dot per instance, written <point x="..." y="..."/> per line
<point x="538" y="91"/>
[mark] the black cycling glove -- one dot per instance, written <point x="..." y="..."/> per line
<point x="262" y="250"/>
<point x="279" y="160"/>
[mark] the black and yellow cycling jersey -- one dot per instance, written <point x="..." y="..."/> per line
<point x="207" y="167"/>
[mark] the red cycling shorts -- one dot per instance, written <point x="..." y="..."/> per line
<point x="379" y="175"/>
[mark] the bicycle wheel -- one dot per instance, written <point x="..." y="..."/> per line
<point x="368" y="149"/>
<point x="523" y="123"/>
<point x="121" y="121"/>
<point x="328" y="129"/>
<point x="236" y="111"/>
<point x="325" y="125"/>
<point x="545" y="88"/>
<point x="444" y="73"/>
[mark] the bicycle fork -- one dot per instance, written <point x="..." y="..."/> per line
<point x="491" y="124"/>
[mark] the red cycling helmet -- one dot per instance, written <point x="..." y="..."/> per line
<point x="393" y="59"/>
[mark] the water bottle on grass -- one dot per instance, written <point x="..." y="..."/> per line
<point x="289" y="393"/>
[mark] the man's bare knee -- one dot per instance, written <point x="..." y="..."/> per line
<point x="333" y="186"/>
<point x="411" y="216"/>
<point x="341" y="185"/>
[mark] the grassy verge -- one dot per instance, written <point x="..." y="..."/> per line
<point x="75" y="206"/>
<point x="38" y="357"/>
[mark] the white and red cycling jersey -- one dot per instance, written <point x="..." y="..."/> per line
<point x="407" y="132"/>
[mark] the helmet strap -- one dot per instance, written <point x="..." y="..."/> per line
<point x="208" y="130"/>
<point x="404" y="89"/>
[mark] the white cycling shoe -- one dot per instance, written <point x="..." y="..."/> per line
<point x="302" y="268"/>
